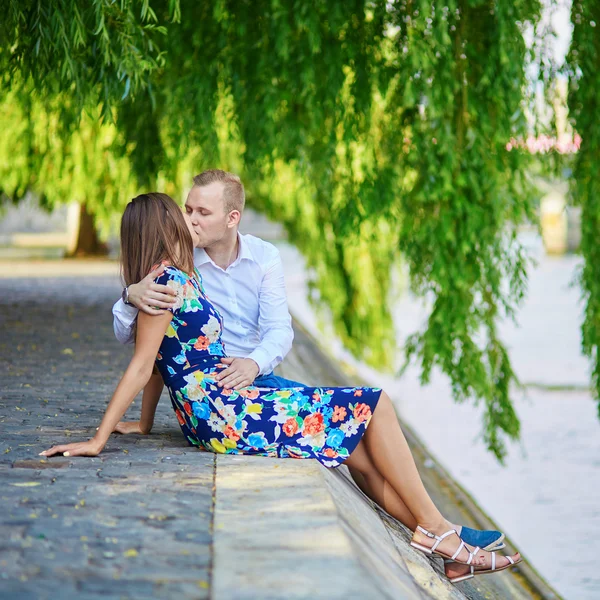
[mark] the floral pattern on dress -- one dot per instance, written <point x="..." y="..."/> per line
<point x="325" y="423"/>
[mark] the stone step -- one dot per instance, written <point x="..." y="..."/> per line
<point x="286" y="529"/>
<point x="277" y="534"/>
<point x="294" y="529"/>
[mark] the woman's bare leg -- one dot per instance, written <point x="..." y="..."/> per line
<point x="373" y="485"/>
<point x="387" y="448"/>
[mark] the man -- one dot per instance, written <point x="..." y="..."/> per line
<point x="243" y="277"/>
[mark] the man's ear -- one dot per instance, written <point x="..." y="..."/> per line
<point x="233" y="218"/>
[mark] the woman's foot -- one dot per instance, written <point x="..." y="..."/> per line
<point x="444" y="541"/>
<point x="456" y="572"/>
<point x="492" y="562"/>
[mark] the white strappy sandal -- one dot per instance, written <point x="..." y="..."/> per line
<point x="511" y="563"/>
<point x="473" y="571"/>
<point x="468" y="575"/>
<point x="438" y="540"/>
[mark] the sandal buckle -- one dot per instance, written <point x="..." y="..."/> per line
<point x="427" y="533"/>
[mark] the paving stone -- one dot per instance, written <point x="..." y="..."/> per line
<point x="133" y="522"/>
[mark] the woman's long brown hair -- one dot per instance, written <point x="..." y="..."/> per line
<point x="152" y="230"/>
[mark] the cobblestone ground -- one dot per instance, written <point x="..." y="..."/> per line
<point x="134" y="522"/>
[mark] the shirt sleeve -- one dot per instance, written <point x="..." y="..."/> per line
<point x="274" y="320"/>
<point x="124" y="318"/>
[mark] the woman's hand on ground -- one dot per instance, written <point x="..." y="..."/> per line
<point x="126" y="427"/>
<point x="89" y="448"/>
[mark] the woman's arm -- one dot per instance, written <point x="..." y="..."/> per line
<point x="150" y="333"/>
<point x="150" y="398"/>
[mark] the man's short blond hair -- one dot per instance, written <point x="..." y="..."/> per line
<point x="234" y="195"/>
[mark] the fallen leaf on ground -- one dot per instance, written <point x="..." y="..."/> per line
<point x="26" y="484"/>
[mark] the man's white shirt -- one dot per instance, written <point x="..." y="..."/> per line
<point x="249" y="294"/>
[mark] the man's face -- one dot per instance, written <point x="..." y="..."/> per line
<point x="206" y="209"/>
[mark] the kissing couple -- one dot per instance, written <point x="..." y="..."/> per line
<point x="208" y="311"/>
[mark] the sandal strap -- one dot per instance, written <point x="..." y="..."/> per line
<point x="425" y="532"/>
<point x="458" y="551"/>
<point x="493" y="561"/>
<point x="473" y="554"/>
<point x="445" y="535"/>
<point x="512" y="562"/>
<point x="440" y="538"/>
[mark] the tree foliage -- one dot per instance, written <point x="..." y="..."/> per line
<point x="370" y="129"/>
<point x="465" y="63"/>
<point x="584" y="104"/>
<point x="98" y="50"/>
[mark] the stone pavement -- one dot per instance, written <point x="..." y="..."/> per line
<point x="89" y="528"/>
<point x="153" y="518"/>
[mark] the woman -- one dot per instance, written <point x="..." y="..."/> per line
<point x="356" y="426"/>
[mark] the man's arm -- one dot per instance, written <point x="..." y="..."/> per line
<point x="146" y="296"/>
<point x="275" y="325"/>
<point x="274" y="320"/>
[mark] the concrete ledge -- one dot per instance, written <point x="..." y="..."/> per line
<point x="394" y="568"/>
<point x="39" y="240"/>
<point x="294" y="529"/>
<point x="277" y="534"/>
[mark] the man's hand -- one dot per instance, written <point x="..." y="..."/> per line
<point x="240" y="373"/>
<point x="151" y="297"/>
<point x="126" y="427"/>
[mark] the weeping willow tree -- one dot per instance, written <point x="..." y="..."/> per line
<point x="62" y="164"/>
<point x="98" y="51"/>
<point x="64" y="64"/>
<point x="370" y="129"/>
<point x="583" y="64"/>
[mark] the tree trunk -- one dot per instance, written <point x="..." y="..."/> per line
<point x="84" y="237"/>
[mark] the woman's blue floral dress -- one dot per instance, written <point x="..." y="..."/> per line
<point x="325" y="423"/>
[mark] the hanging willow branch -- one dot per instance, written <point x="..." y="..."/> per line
<point x="464" y="70"/>
<point x="101" y="52"/>
<point x="584" y="106"/>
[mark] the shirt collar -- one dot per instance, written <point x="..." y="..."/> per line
<point x="244" y="249"/>
<point x="201" y="257"/>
